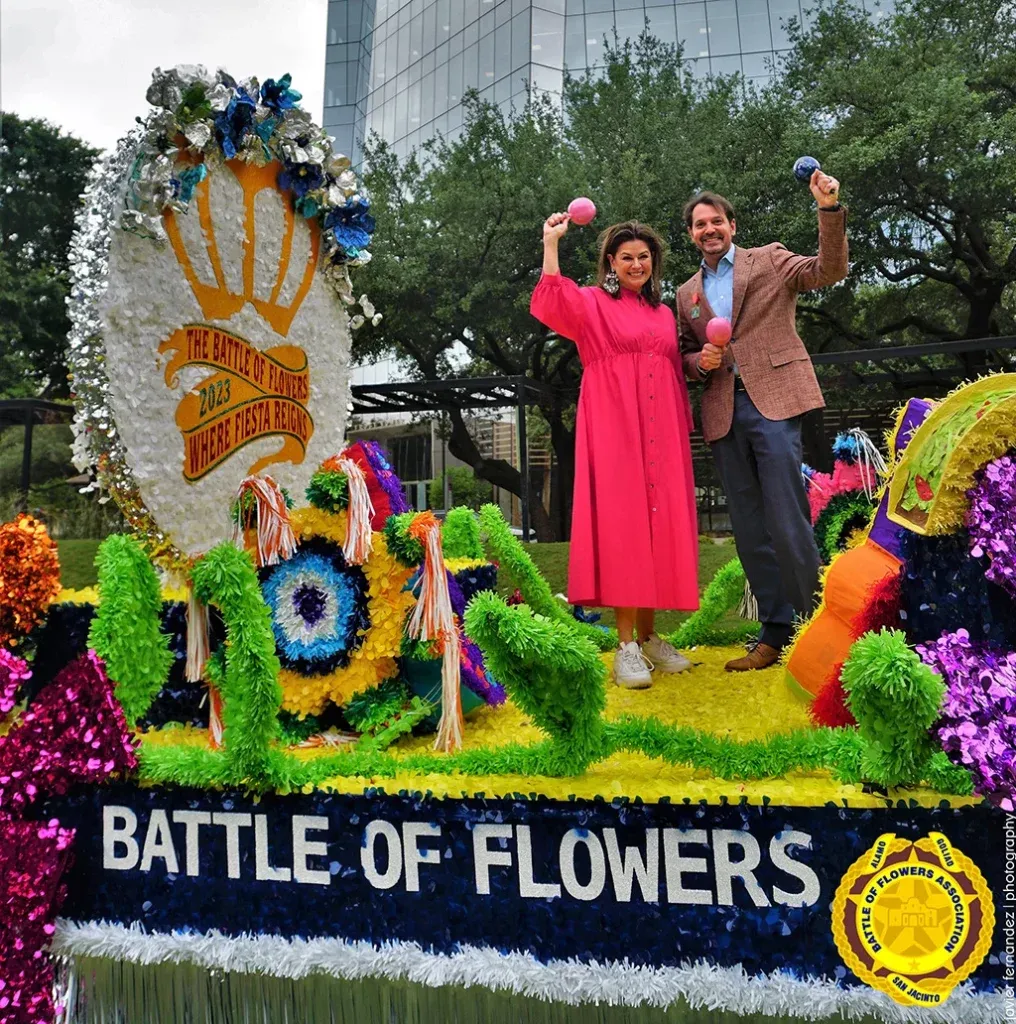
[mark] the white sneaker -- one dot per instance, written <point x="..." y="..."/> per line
<point x="664" y="656"/>
<point x="631" y="668"/>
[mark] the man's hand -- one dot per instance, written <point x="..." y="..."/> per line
<point x="825" y="189"/>
<point x="710" y="357"/>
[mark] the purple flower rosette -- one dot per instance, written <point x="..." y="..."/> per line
<point x="977" y="727"/>
<point x="991" y="521"/>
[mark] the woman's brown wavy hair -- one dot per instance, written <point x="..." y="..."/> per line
<point x="633" y="231"/>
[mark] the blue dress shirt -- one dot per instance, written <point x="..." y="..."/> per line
<point x="718" y="284"/>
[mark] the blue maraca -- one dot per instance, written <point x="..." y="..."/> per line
<point x="805" y="167"/>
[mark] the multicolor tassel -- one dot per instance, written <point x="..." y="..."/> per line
<point x="855" y="447"/>
<point x="275" y="537"/>
<point x="433" y="618"/>
<point x="359" y="514"/>
<point x="197" y="638"/>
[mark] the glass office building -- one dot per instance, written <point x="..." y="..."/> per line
<point x="401" y="67"/>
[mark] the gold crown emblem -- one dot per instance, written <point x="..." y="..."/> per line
<point x="218" y="301"/>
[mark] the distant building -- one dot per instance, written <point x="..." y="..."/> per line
<point x="401" y="67"/>
<point x="419" y="454"/>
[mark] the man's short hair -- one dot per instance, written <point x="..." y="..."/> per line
<point x="713" y="199"/>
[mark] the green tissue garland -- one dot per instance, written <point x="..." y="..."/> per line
<point x="368" y="709"/>
<point x="460" y="534"/>
<point x="805" y="749"/>
<point x="555" y="676"/>
<point x="126" y="631"/>
<point x="249" y="683"/>
<point x="723" y="594"/>
<point x="838" y="750"/>
<point x="514" y="559"/>
<point x="328" y="490"/>
<point x="402" y="721"/>
<point x="895" y="698"/>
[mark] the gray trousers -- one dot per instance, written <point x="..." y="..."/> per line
<point x="759" y="463"/>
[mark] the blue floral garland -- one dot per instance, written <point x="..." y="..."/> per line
<point x="213" y="117"/>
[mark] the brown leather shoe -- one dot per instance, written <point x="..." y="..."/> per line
<point x="760" y="656"/>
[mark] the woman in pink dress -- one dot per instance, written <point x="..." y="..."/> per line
<point x="634" y="536"/>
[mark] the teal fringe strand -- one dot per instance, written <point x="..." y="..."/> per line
<point x="117" y="992"/>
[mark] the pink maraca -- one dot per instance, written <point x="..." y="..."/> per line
<point x="581" y="211"/>
<point x="718" y="331"/>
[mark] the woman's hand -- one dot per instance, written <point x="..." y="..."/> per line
<point x="554" y="227"/>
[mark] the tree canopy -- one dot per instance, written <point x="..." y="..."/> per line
<point x="42" y="175"/>
<point x="917" y="113"/>
<point x="913" y="112"/>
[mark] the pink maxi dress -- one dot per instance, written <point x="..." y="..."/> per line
<point x="634" y="535"/>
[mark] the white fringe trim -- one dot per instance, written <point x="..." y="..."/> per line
<point x="616" y="983"/>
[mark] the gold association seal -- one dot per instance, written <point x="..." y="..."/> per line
<point x="913" y="919"/>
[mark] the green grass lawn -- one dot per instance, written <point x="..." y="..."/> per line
<point x="77" y="559"/>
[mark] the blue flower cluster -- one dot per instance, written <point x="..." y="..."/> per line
<point x="846" y="448"/>
<point x="236" y="122"/>
<point x="278" y="96"/>
<point x="351" y="227"/>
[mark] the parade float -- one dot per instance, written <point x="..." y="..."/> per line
<point x="294" y="758"/>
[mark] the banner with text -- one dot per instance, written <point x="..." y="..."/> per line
<point x="659" y="884"/>
<point x="251" y="395"/>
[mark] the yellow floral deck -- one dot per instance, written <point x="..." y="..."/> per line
<point x="741" y="706"/>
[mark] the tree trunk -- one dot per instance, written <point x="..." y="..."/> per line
<point x="563" y="442"/>
<point x="980" y="325"/>
<point x="495" y="471"/>
<point x="982" y="309"/>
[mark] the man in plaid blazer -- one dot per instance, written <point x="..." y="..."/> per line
<point x="756" y="390"/>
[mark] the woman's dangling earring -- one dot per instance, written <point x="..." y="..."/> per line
<point x="611" y="285"/>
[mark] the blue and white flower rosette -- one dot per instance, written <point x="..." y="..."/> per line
<point x="319" y="608"/>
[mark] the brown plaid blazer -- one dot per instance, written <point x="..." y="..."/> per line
<point x="771" y="358"/>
